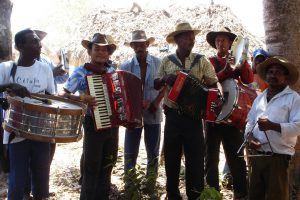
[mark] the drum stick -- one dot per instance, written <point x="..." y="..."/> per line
<point x="46" y="101"/>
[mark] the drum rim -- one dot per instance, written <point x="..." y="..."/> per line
<point x="44" y="138"/>
<point x="50" y="110"/>
<point x="234" y="103"/>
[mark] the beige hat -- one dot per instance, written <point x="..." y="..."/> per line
<point x="292" y="69"/>
<point x="101" y="40"/>
<point x="211" y="36"/>
<point x="40" y="34"/>
<point x="139" y="36"/>
<point x="180" y="28"/>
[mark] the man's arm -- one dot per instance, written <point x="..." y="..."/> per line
<point x="155" y="103"/>
<point x="245" y="72"/>
<point x="14" y="89"/>
<point x="87" y="99"/>
<point x="168" y="79"/>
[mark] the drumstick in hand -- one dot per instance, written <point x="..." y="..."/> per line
<point x="46" y="101"/>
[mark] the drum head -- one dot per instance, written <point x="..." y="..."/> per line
<point x="54" y="103"/>
<point x="57" y="105"/>
<point x="230" y="94"/>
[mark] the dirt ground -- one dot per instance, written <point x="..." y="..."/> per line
<point x="65" y="173"/>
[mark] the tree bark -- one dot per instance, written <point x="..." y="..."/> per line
<point x="282" y="30"/>
<point x="5" y="30"/>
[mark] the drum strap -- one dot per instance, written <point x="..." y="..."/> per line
<point x="13" y="71"/>
<point x="174" y="60"/>
<point x="219" y="67"/>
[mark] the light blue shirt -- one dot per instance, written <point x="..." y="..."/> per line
<point x="57" y="79"/>
<point x="77" y="80"/>
<point x="149" y="92"/>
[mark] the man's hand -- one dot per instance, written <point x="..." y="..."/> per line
<point x="152" y="107"/>
<point x="253" y="143"/>
<point x="15" y="89"/>
<point x="58" y="71"/>
<point x="264" y="124"/>
<point x="170" y="79"/>
<point x="146" y="104"/>
<point x="90" y="100"/>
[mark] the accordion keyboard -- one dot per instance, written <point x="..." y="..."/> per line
<point x="102" y="112"/>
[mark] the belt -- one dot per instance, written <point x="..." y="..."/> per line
<point x="168" y="109"/>
<point x="268" y="153"/>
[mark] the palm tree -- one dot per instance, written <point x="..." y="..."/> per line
<point x="5" y="30"/>
<point x="282" y="25"/>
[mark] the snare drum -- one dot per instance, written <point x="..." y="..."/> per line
<point x="238" y="101"/>
<point x="58" y="122"/>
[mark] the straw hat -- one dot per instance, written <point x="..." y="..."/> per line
<point x="140" y="36"/>
<point x="180" y="28"/>
<point x="40" y="34"/>
<point x="292" y="69"/>
<point x="101" y="40"/>
<point x="211" y="36"/>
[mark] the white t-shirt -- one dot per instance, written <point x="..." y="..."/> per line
<point x="37" y="78"/>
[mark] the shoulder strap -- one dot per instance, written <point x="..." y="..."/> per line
<point x="196" y="60"/>
<point x="217" y="66"/>
<point x="13" y="71"/>
<point x="173" y="59"/>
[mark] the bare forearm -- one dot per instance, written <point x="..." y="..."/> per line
<point x="66" y="94"/>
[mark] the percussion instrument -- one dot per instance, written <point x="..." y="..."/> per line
<point x="193" y="98"/>
<point x="57" y="122"/>
<point x="238" y="100"/>
<point x="239" y="50"/>
<point x="119" y="98"/>
<point x="64" y="61"/>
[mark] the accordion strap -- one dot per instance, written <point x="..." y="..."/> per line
<point x="173" y="59"/>
<point x="13" y="71"/>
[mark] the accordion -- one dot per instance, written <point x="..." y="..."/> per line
<point x="119" y="99"/>
<point x="193" y="98"/>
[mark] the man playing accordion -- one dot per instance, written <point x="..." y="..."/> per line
<point x="99" y="147"/>
<point x="181" y="131"/>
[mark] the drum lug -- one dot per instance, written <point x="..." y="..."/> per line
<point x="55" y="122"/>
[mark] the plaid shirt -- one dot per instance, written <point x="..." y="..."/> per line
<point x="203" y="70"/>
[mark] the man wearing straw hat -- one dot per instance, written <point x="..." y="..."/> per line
<point x="272" y="129"/>
<point x="230" y="136"/>
<point x="99" y="147"/>
<point x="181" y="131"/>
<point x="144" y="66"/>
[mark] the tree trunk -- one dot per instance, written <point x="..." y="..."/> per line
<point x="282" y="29"/>
<point x="5" y="30"/>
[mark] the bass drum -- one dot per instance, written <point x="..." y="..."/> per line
<point x="238" y="100"/>
<point x="60" y="121"/>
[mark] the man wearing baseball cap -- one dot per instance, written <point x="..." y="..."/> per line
<point x="259" y="56"/>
